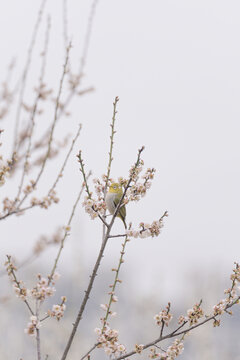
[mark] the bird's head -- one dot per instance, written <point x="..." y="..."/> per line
<point x="115" y="188"/>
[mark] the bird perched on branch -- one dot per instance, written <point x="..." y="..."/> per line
<point x="113" y="197"/>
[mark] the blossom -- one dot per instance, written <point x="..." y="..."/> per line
<point x="163" y="316"/>
<point x="108" y="340"/>
<point x="57" y="311"/>
<point x="174" y="350"/>
<point x="219" y="308"/>
<point x="139" y="348"/>
<point x="32" y="326"/>
<point x="42" y="289"/>
<point x="147" y="230"/>
<point x="195" y="314"/>
<point x="93" y="207"/>
<point x="104" y="307"/>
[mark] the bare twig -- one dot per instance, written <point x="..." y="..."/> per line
<point x="66" y="160"/>
<point x="82" y="64"/>
<point x="111" y="143"/>
<point x="116" y="236"/>
<point x="66" y="233"/>
<point x="89" y="351"/>
<point x="25" y="74"/>
<point x="38" y="332"/>
<point x="116" y="280"/>
<point x="65" y="25"/>
<point x="34" y="110"/>
<point x="110" y="156"/>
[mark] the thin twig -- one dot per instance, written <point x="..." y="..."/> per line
<point x="85" y="183"/>
<point x="19" y="285"/>
<point x="53" y="125"/>
<point x="116" y="236"/>
<point x="65" y="25"/>
<point x="66" y="159"/>
<point x="87" y="38"/>
<point x="34" y="110"/>
<point x="46" y="317"/>
<point x="116" y="280"/>
<point x="66" y="232"/>
<point x="38" y="332"/>
<point x="111" y="143"/>
<point x="83" y="60"/>
<point x="19" y="210"/>
<point x="110" y="157"/>
<point x="89" y="351"/>
<point x="25" y="74"/>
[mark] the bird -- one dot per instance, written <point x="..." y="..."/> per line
<point x="113" y="197"/>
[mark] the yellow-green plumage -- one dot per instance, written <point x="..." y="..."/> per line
<point x="112" y="199"/>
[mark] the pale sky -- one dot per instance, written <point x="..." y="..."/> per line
<point x="175" y="67"/>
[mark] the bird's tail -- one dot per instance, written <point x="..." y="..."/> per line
<point x="123" y="220"/>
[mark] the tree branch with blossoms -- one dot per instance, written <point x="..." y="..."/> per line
<point x="192" y="319"/>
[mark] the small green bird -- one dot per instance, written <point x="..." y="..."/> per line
<point x="112" y="199"/>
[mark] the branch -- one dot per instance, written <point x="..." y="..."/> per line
<point x="38" y="333"/>
<point x="176" y="332"/>
<point x="110" y="156"/>
<point x="97" y="264"/>
<point x="116" y="280"/>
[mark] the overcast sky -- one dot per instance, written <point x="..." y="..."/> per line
<point x="175" y="67"/>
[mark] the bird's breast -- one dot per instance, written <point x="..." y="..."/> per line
<point x="110" y="197"/>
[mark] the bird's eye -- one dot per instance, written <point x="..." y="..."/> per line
<point x="115" y="187"/>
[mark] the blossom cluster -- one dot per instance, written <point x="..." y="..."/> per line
<point x="18" y="286"/>
<point x="232" y="297"/>
<point x="8" y="205"/>
<point x="32" y="326"/>
<point x="170" y="354"/>
<point x="42" y="91"/>
<point x="194" y="314"/>
<point x="137" y="189"/>
<point x="94" y="207"/>
<point x="6" y="97"/>
<point x="58" y="310"/>
<point x="139" y="348"/>
<point x="135" y="171"/>
<point x="99" y="189"/>
<point x="108" y="340"/>
<point x="147" y="230"/>
<point x="29" y="188"/>
<point x="46" y="201"/>
<point x="163" y="317"/>
<point x="4" y="170"/>
<point x="42" y="288"/>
